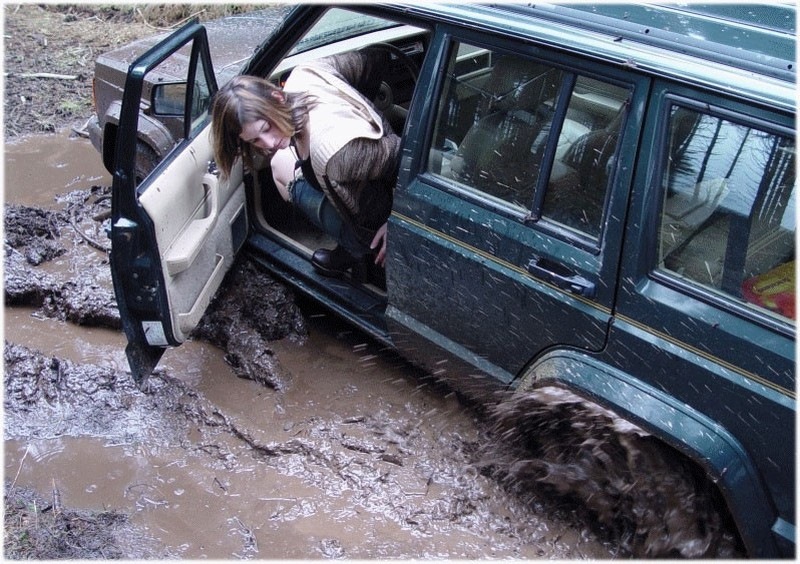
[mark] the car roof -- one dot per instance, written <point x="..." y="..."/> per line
<point x="739" y="34"/>
<point x="745" y="49"/>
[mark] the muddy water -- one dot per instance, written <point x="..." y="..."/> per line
<point x="35" y="166"/>
<point x="359" y="457"/>
<point x="329" y="498"/>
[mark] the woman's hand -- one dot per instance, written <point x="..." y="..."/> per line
<point x="379" y="242"/>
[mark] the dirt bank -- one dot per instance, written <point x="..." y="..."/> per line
<point x="50" y="51"/>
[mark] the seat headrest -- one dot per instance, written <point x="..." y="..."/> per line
<point x="517" y="83"/>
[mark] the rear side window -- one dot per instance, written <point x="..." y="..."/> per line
<point x="728" y="216"/>
<point x="493" y="123"/>
<point x="508" y="126"/>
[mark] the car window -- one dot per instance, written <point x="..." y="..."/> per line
<point x="728" y="215"/>
<point x="585" y="155"/>
<point x="337" y="25"/>
<point x="494" y="123"/>
<point x="201" y="96"/>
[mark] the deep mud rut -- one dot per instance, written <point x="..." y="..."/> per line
<point x="295" y="437"/>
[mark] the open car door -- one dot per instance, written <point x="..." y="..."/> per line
<point x="175" y="234"/>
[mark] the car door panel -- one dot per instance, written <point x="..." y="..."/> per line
<point x="482" y="289"/>
<point x="174" y="234"/>
<point x="479" y="269"/>
<point x="195" y="215"/>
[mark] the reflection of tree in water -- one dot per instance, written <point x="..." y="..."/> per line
<point x="744" y="178"/>
<point x="777" y="184"/>
<point x="759" y="164"/>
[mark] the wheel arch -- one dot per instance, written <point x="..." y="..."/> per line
<point x="703" y="441"/>
<point x="151" y="133"/>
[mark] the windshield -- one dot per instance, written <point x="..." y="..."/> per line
<point x="337" y="25"/>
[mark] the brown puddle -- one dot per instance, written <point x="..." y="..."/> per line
<point x="325" y="502"/>
<point x="37" y="168"/>
<point x="358" y="458"/>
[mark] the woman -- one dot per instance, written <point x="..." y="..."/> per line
<point x="332" y="154"/>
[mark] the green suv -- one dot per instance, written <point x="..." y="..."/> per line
<point x="595" y="197"/>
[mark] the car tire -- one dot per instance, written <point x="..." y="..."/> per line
<point x="146" y="160"/>
<point x="640" y="491"/>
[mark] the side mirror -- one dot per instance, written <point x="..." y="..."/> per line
<point x="168" y="99"/>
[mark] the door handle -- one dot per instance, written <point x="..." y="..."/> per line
<point x="561" y="277"/>
<point x="188" y="245"/>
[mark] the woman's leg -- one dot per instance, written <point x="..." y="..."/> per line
<point x="320" y="211"/>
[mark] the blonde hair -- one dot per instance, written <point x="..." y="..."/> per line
<point x="245" y="99"/>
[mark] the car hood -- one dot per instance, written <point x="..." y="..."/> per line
<point x="232" y="40"/>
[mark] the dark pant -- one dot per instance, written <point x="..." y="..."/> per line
<point x="321" y="212"/>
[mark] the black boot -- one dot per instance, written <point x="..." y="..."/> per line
<point x="334" y="263"/>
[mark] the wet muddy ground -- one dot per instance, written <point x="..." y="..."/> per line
<point x="280" y="432"/>
<point x="338" y="450"/>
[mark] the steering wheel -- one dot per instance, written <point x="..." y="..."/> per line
<point x="407" y="61"/>
<point x="384" y="100"/>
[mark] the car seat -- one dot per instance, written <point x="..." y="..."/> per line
<point x="578" y="183"/>
<point x="501" y="152"/>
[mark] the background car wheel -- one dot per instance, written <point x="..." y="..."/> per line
<point x="146" y="160"/>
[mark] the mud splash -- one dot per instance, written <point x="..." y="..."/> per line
<point x="637" y="489"/>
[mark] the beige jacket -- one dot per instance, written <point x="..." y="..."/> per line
<point x="351" y="144"/>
